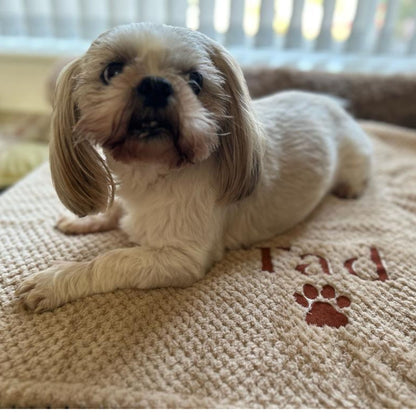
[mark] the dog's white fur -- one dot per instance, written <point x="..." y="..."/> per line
<point x="306" y="145"/>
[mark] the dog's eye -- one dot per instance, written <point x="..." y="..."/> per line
<point x="111" y="71"/>
<point x="195" y="82"/>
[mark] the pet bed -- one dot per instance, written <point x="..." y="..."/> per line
<point x="323" y="316"/>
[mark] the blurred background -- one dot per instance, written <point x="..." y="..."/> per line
<point x="371" y="36"/>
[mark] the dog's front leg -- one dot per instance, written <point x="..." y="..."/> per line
<point x="137" y="267"/>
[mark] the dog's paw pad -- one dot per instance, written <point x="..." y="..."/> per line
<point x="323" y="308"/>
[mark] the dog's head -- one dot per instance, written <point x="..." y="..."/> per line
<point x="151" y="94"/>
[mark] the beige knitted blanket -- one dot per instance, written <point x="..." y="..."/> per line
<point x="323" y="316"/>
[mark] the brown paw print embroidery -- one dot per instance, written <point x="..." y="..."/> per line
<point x="324" y="308"/>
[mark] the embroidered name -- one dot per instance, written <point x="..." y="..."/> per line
<point x="324" y="263"/>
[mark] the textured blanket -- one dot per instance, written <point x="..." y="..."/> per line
<point x="322" y="316"/>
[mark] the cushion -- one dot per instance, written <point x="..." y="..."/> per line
<point x="18" y="159"/>
<point x="322" y="316"/>
<point x="23" y="145"/>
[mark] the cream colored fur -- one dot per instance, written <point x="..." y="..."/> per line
<point x="268" y="166"/>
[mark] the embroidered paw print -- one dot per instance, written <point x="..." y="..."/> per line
<point x="326" y="310"/>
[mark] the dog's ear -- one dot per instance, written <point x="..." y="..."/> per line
<point x="81" y="177"/>
<point x="240" y="150"/>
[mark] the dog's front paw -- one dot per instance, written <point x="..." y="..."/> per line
<point x="75" y="225"/>
<point x="85" y="225"/>
<point x="40" y="292"/>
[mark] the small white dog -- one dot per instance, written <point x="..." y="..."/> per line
<point x="161" y="118"/>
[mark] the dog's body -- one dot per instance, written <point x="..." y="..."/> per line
<point x="300" y="146"/>
<point x="303" y="161"/>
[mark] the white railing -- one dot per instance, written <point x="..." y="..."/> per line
<point x="304" y="33"/>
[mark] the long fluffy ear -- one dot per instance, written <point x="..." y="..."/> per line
<point x="240" y="148"/>
<point x="80" y="176"/>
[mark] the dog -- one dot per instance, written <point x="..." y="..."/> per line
<point x="154" y="132"/>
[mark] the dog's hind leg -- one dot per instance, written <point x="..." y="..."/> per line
<point x="354" y="162"/>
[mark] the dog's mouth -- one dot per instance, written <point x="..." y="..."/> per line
<point x="144" y="130"/>
<point x="149" y="128"/>
<point x="149" y="138"/>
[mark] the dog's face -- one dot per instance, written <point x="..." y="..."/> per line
<point x="150" y="94"/>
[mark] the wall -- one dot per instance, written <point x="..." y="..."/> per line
<point x="23" y="83"/>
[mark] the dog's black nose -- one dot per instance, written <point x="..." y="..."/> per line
<point x="155" y="91"/>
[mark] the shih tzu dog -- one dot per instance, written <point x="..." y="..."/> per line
<point x="154" y="132"/>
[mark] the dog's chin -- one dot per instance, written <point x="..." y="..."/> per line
<point x="150" y="148"/>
